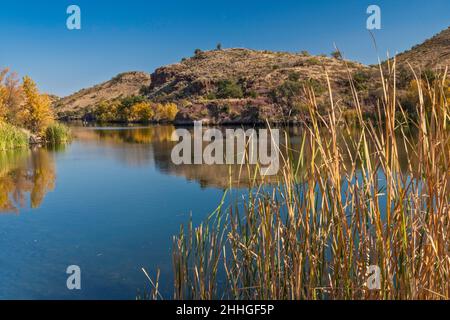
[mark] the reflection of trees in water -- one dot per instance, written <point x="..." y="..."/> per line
<point x="142" y="146"/>
<point x="130" y="145"/>
<point x="25" y="173"/>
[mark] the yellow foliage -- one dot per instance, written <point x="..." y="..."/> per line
<point x="171" y="111"/>
<point x="141" y="112"/>
<point x="36" y="114"/>
<point x="447" y="89"/>
<point x="3" y="96"/>
<point x="10" y="96"/>
<point x="3" y="109"/>
<point x="106" y="111"/>
<point x="166" y="112"/>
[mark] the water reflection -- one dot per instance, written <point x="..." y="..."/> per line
<point x="153" y="145"/>
<point x="26" y="176"/>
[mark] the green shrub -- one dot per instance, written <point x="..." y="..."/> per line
<point x="313" y="61"/>
<point x="315" y="85"/>
<point x="12" y="137"/>
<point x="429" y="75"/>
<point x="294" y="76"/>
<point x="227" y="89"/>
<point x="252" y="94"/>
<point x="57" y="134"/>
<point x="361" y="80"/>
<point x="211" y="96"/>
<point x="336" y="55"/>
<point x="305" y="53"/>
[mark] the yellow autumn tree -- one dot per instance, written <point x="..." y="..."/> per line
<point x="3" y="96"/>
<point x="141" y="112"/>
<point x="171" y="111"/>
<point x="447" y="88"/>
<point x="36" y="114"/>
<point x="10" y="96"/>
<point x="166" y="112"/>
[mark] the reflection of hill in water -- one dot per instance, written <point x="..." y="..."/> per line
<point x="24" y="175"/>
<point x="29" y="175"/>
<point x="141" y="146"/>
<point x="144" y="146"/>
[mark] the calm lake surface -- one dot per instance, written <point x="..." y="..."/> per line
<point x="110" y="202"/>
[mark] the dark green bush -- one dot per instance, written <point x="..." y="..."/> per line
<point x="227" y="89"/>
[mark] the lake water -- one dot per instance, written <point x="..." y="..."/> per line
<point x="110" y="202"/>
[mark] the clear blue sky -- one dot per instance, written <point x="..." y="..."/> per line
<point x="120" y="36"/>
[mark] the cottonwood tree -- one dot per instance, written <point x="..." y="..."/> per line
<point x="35" y="114"/>
<point x="10" y="96"/>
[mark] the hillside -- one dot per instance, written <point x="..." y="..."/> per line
<point x="249" y="86"/>
<point x="242" y="85"/>
<point x="433" y="54"/>
<point x="124" y="84"/>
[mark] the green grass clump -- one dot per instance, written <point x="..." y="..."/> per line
<point x="12" y="137"/>
<point x="57" y="133"/>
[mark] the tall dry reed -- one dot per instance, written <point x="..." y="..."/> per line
<point x="336" y="210"/>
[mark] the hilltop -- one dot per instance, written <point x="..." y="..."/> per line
<point x="243" y="85"/>
<point x="249" y="86"/>
<point x="122" y="85"/>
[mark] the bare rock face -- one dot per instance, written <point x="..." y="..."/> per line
<point x="124" y="84"/>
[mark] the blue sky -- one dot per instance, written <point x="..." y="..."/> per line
<point x="118" y="36"/>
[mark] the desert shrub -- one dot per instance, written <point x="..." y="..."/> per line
<point x="315" y="85"/>
<point x="106" y="111"/>
<point x="287" y="90"/>
<point x="404" y="77"/>
<point x="313" y="61"/>
<point x="141" y="112"/>
<point x="429" y="75"/>
<point x="252" y="94"/>
<point x="228" y="89"/>
<point x="294" y="76"/>
<point x="301" y="108"/>
<point x="305" y="53"/>
<point x="204" y="112"/>
<point x="225" y="109"/>
<point x="211" y="96"/>
<point x="336" y="55"/>
<point x="350" y="115"/>
<point x="361" y="80"/>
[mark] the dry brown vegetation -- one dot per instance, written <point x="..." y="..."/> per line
<point x="314" y="234"/>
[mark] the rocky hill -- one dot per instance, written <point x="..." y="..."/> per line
<point x="249" y="86"/>
<point x="242" y="85"/>
<point x="433" y="54"/>
<point x="122" y="85"/>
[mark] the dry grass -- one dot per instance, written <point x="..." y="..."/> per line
<point x="315" y="233"/>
